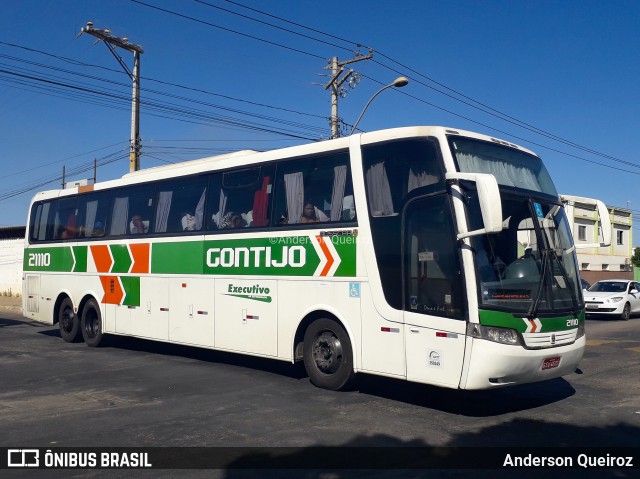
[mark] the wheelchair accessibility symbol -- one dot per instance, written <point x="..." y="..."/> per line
<point x="354" y="290"/>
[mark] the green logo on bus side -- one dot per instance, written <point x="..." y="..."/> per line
<point x="286" y="256"/>
<point x="255" y="293"/>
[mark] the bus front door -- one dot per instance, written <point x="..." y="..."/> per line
<point x="434" y="295"/>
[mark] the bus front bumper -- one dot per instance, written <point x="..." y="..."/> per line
<point x="497" y="365"/>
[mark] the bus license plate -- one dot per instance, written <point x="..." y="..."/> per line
<point x="551" y="363"/>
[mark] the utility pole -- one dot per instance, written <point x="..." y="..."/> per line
<point x="335" y="83"/>
<point x="110" y="41"/>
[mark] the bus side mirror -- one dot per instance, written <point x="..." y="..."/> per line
<point x="603" y="217"/>
<point x="489" y="199"/>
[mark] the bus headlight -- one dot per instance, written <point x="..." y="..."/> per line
<point x="492" y="333"/>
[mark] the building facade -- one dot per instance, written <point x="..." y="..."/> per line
<point x="11" y="248"/>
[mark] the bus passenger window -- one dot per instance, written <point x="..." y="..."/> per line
<point x="243" y="199"/>
<point x="315" y="190"/>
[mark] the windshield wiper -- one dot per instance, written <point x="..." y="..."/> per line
<point x="565" y="277"/>
<point x="533" y="310"/>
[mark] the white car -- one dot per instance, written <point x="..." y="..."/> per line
<point x="615" y="297"/>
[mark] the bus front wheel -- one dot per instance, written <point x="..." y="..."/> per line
<point x="328" y="357"/>
<point x="68" y="321"/>
<point x="91" y="324"/>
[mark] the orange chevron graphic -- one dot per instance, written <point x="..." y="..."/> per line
<point x="534" y="326"/>
<point x="327" y="253"/>
<point x="140" y="256"/>
<point x="113" y="293"/>
<point x="102" y="258"/>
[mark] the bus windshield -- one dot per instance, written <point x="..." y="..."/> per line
<point x="510" y="166"/>
<point x="530" y="267"/>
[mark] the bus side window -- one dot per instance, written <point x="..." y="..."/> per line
<point x="180" y="205"/>
<point x="66" y="224"/>
<point x="94" y="209"/>
<point x="315" y="190"/>
<point x="128" y="203"/>
<point x="243" y="201"/>
<point x="41" y="227"/>
<point x="395" y="169"/>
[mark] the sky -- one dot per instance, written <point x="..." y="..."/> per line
<point x="558" y="77"/>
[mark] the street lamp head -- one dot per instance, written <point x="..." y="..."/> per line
<point x="397" y="83"/>
<point x="400" y="82"/>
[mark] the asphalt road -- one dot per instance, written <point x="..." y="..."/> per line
<point x="136" y="393"/>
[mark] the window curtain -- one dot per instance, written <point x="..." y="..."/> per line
<point x="200" y="210"/>
<point x="162" y="213"/>
<point x="380" y="200"/>
<point x="260" y="202"/>
<point x="222" y="204"/>
<point x="120" y="216"/>
<point x="90" y="219"/>
<point x="506" y="174"/>
<point x="294" y="186"/>
<point x="337" y="194"/>
<point x="419" y="177"/>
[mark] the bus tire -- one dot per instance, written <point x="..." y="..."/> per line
<point x="327" y="354"/>
<point x="68" y="321"/>
<point x="91" y="324"/>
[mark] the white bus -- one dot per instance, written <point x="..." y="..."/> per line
<point x="429" y="254"/>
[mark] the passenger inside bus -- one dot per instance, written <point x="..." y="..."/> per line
<point x="232" y="220"/>
<point x="138" y="225"/>
<point x="69" y="230"/>
<point x="98" y="229"/>
<point x="188" y="222"/>
<point x="309" y="213"/>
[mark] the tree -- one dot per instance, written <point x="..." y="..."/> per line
<point x="635" y="259"/>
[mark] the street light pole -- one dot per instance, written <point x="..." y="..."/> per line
<point x="397" y="83"/>
<point x="109" y="40"/>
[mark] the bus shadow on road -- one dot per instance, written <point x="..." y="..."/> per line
<point x="281" y="368"/>
<point x="482" y="403"/>
<point x="466" y="403"/>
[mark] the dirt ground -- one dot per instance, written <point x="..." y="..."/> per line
<point x="10" y="304"/>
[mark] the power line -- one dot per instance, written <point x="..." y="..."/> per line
<point x="269" y="24"/>
<point x="176" y="110"/>
<point x="194" y="116"/>
<point x="467" y="100"/>
<point x="120" y="73"/>
<point x="187" y="17"/>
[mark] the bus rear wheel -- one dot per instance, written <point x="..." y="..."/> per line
<point x="328" y="356"/>
<point x="91" y="324"/>
<point x="68" y="321"/>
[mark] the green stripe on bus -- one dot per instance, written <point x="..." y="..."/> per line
<point x="48" y="259"/>
<point x="177" y="258"/>
<point x="80" y="253"/>
<point x="346" y="249"/>
<point x="280" y="256"/>
<point x="121" y="258"/>
<point x="131" y="286"/>
<point x="508" y="320"/>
